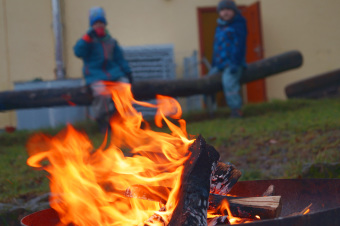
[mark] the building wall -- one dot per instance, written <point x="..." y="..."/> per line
<point x="27" y="44"/>
<point x="310" y="26"/>
<point x="135" y="22"/>
<point x="4" y="74"/>
<point x="305" y="25"/>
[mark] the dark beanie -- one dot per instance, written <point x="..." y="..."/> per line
<point x="226" y="4"/>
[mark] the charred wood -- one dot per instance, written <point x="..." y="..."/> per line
<point x="224" y="178"/>
<point x="193" y="194"/>
<point x="218" y="220"/>
<point x="245" y="207"/>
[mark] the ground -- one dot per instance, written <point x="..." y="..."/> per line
<point x="274" y="140"/>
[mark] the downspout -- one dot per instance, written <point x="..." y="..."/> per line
<point x="58" y="38"/>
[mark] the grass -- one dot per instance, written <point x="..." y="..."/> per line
<point x="273" y="140"/>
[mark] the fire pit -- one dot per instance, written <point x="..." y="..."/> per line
<point x="324" y="194"/>
<point x="169" y="180"/>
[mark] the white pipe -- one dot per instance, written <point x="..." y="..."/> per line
<point x="58" y="38"/>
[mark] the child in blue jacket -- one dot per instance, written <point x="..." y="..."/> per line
<point x="229" y="53"/>
<point x="103" y="61"/>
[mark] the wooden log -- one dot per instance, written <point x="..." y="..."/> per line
<point x="224" y="178"/>
<point x="245" y="207"/>
<point x="268" y="207"/>
<point x="211" y="84"/>
<point x="319" y="86"/>
<point x="218" y="220"/>
<point x="148" y="89"/>
<point x="193" y="194"/>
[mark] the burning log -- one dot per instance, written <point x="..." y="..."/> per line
<point x="218" y="220"/>
<point x="193" y="194"/>
<point x="148" y="89"/>
<point x="224" y="178"/>
<point x="248" y="207"/>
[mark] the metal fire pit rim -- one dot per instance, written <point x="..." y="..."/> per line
<point x="262" y="222"/>
<point x="298" y="220"/>
<point x="313" y="218"/>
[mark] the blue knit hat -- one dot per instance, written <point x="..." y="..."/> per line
<point x="227" y="4"/>
<point x="97" y="14"/>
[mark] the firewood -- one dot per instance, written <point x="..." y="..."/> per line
<point x="224" y="178"/>
<point x="193" y="194"/>
<point x="218" y="220"/>
<point x="248" y="207"/>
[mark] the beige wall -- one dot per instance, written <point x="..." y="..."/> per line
<point x="4" y="69"/>
<point x="27" y="45"/>
<point x="136" y="22"/>
<point x="310" y="26"/>
<point x="306" y="25"/>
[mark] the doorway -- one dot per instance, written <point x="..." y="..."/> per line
<point x="207" y="16"/>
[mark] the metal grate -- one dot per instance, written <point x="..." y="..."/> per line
<point x="190" y="70"/>
<point x="150" y="62"/>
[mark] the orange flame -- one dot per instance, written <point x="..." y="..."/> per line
<point x="225" y="208"/>
<point x="88" y="185"/>
<point x="307" y="211"/>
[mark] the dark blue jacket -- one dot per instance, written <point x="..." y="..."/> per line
<point x="103" y="59"/>
<point x="230" y="43"/>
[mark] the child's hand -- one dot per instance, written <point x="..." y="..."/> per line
<point x="91" y="33"/>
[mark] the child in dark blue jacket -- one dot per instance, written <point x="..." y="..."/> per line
<point x="229" y="52"/>
<point x="103" y="61"/>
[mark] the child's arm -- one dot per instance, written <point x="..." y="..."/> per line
<point x="83" y="46"/>
<point x="118" y="56"/>
<point x="241" y="41"/>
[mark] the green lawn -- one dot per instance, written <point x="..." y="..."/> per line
<point x="273" y="140"/>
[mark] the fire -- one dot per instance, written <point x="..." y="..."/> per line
<point x="224" y="208"/>
<point x="88" y="185"/>
<point x="307" y="211"/>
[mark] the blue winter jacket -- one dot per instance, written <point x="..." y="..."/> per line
<point x="230" y="43"/>
<point x="103" y="59"/>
